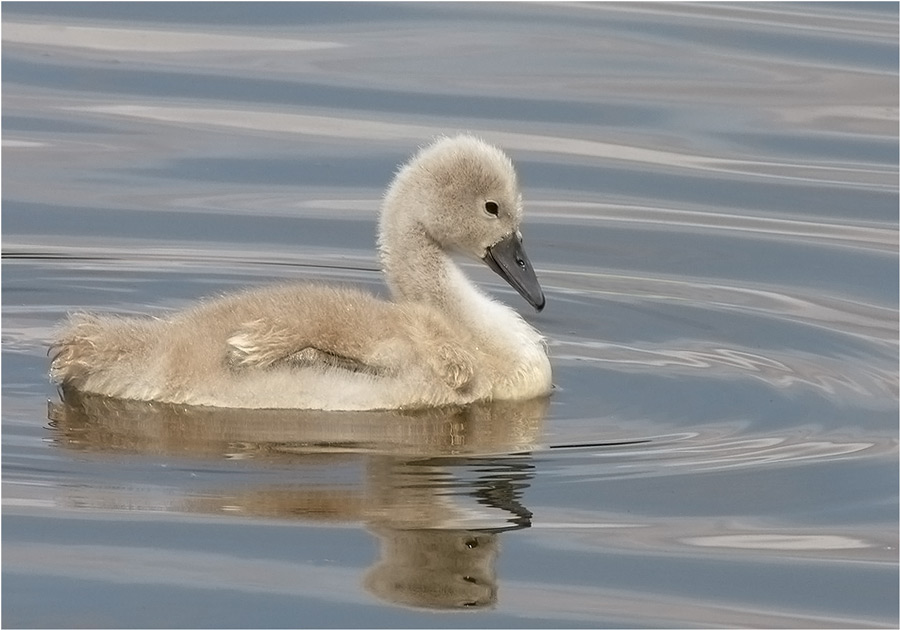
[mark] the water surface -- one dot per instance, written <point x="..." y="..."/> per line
<point x="712" y="196"/>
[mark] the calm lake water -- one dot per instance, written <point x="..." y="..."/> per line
<point x="712" y="209"/>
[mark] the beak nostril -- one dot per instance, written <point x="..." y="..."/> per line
<point x="507" y="259"/>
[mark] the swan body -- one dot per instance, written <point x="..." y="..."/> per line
<point x="439" y="341"/>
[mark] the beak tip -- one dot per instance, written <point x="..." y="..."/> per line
<point x="507" y="259"/>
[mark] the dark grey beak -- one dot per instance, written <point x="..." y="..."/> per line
<point x="508" y="260"/>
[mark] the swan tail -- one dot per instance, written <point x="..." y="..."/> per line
<point x="90" y="345"/>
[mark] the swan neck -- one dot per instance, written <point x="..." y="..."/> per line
<point x="415" y="266"/>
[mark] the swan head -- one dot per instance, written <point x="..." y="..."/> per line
<point x="462" y="193"/>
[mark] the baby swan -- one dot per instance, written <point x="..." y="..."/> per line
<point x="441" y="341"/>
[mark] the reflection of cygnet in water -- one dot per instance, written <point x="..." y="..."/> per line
<point x="438" y="536"/>
<point x="437" y="490"/>
<point x="440" y="569"/>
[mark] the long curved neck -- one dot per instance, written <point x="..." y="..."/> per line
<point x="415" y="266"/>
<point x="417" y="269"/>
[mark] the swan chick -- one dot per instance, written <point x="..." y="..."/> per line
<point x="439" y="341"/>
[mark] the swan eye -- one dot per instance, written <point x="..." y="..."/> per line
<point x="491" y="208"/>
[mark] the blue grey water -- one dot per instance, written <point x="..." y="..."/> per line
<point x="712" y="208"/>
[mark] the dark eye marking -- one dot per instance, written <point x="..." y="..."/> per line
<point x="491" y="208"/>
